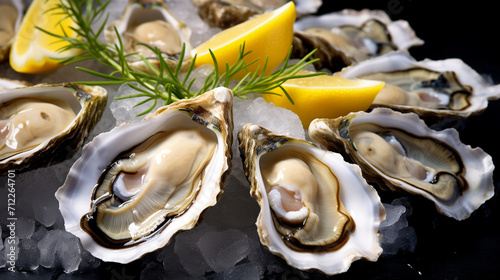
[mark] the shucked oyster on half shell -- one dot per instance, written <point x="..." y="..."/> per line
<point x="46" y="123"/>
<point x="400" y="152"/>
<point x="152" y="23"/>
<point x="11" y="14"/>
<point x="348" y="36"/>
<point x="433" y="89"/>
<point x="317" y="211"/>
<point x="137" y="185"/>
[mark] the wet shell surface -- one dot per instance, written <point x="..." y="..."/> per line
<point x="46" y="123"/>
<point x="351" y="36"/>
<point x="11" y="14"/>
<point x="317" y="211"/>
<point x="137" y="185"/>
<point x="400" y="152"/>
<point x="152" y="23"/>
<point x="433" y="89"/>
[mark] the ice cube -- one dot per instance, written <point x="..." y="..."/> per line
<point x="223" y="250"/>
<point x="396" y="234"/>
<point x="188" y="252"/>
<point x="48" y="248"/>
<point x="25" y="227"/>
<point x="29" y="255"/>
<point x="60" y="249"/>
<point x="244" y="271"/>
<point x="68" y="253"/>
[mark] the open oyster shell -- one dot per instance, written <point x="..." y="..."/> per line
<point x="433" y="89"/>
<point x="400" y="152"/>
<point x="46" y="123"/>
<point x="152" y="23"/>
<point x="350" y="36"/>
<point x="317" y="211"/>
<point x="137" y="185"/>
<point x="227" y="13"/>
<point x="11" y="14"/>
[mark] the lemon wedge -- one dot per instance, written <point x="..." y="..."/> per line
<point x="325" y="96"/>
<point x="34" y="51"/>
<point x="267" y="35"/>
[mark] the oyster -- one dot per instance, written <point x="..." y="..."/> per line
<point x="351" y="36"/>
<point x="227" y="13"/>
<point x="317" y="211"/>
<point x="137" y="185"/>
<point x="400" y="152"/>
<point x="433" y="89"/>
<point x="46" y="123"/>
<point x="11" y="14"/>
<point x="152" y="23"/>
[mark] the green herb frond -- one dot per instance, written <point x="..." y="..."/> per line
<point x="161" y="81"/>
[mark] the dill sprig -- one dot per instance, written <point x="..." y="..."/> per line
<point x="162" y="83"/>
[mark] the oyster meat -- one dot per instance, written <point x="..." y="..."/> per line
<point x="351" y="36"/>
<point x="317" y="211"/>
<point x="130" y="192"/>
<point x="433" y="89"/>
<point x="45" y="123"/>
<point x="400" y="152"/>
<point x="150" y="22"/>
<point x="11" y="14"/>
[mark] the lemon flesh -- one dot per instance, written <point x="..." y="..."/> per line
<point x="268" y="35"/>
<point x="34" y="51"/>
<point x="325" y="96"/>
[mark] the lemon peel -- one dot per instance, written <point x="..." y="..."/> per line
<point x="325" y="96"/>
<point x="268" y="35"/>
<point x="34" y="51"/>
